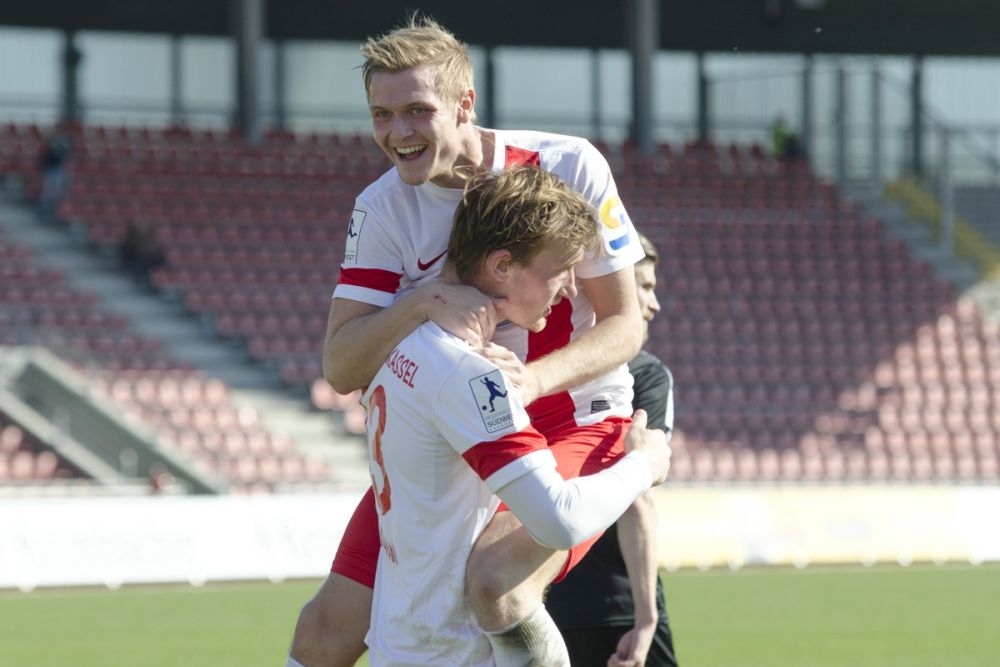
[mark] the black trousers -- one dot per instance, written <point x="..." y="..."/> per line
<point x="591" y="647"/>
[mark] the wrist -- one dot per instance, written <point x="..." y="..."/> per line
<point x="419" y="303"/>
<point x="646" y="619"/>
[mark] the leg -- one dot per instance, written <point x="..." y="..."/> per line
<point x="506" y="577"/>
<point x="508" y="572"/>
<point x="331" y="628"/>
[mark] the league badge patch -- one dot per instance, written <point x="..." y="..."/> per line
<point x="490" y="393"/>
<point x="353" y="235"/>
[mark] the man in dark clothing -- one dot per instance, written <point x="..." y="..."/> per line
<point x="593" y="606"/>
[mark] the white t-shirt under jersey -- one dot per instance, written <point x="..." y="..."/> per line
<point x="398" y="235"/>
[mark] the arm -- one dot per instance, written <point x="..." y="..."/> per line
<point x="561" y="513"/>
<point x="614" y="339"/>
<point x="637" y="527"/>
<point x="637" y="538"/>
<point x="360" y="336"/>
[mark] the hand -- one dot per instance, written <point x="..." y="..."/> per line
<point x="462" y="311"/>
<point x="654" y="443"/>
<point x="521" y="377"/>
<point x="633" y="647"/>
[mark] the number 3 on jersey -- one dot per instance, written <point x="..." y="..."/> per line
<point x="376" y="466"/>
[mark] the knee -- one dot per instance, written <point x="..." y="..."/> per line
<point x="485" y="582"/>
<point x="309" y="634"/>
<point x="330" y="631"/>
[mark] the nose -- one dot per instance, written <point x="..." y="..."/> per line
<point x="654" y="303"/>
<point x="400" y="127"/>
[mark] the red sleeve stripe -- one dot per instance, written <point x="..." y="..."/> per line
<point x="377" y="279"/>
<point x="488" y="457"/>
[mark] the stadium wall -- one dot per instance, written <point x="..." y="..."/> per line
<point x="112" y="542"/>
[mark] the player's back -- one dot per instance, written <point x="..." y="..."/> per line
<point x="433" y="504"/>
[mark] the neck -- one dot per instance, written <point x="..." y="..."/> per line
<point x="476" y="153"/>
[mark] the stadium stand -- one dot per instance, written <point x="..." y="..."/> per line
<point x="188" y="410"/>
<point x="808" y="345"/>
<point x="24" y="460"/>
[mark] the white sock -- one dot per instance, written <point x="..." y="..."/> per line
<point x="292" y="662"/>
<point x="534" y="641"/>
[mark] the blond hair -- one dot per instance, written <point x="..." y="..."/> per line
<point x="421" y="41"/>
<point x="523" y="210"/>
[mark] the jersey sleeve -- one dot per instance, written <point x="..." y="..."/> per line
<point x="653" y="389"/>
<point x="373" y="265"/>
<point x="561" y="513"/>
<point x="484" y="420"/>
<point x="620" y="247"/>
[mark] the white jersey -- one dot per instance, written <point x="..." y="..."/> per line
<point x="398" y="235"/>
<point x="444" y="435"/>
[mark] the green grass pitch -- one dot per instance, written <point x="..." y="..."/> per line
<point x="920" y="616"/>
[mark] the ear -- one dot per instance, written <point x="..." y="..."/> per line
<point x="467" y="105"/>
<point x="498" y="265"/>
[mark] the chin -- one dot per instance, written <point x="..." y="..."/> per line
<point x="411" y="176"/>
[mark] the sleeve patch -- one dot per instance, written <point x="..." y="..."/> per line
<point x="354" y="228"/>
<point x="490" y="393"/>
<point x="615" y="224"/>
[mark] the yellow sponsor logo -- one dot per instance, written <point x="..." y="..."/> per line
<point x="612" y="212"/>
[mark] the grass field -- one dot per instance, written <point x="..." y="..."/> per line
<point x="886" y="617"/>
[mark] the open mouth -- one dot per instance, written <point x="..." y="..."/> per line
<point x="407" y="153"/>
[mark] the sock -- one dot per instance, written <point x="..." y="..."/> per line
<point x="534" y="641"/>
<point x="292" y="662"/>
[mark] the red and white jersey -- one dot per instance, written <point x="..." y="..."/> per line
<point x="444" y="435"/>
<point x="398" y="235"/>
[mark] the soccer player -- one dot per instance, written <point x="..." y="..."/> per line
<point x="575" y="381"/>
<point x="442" y="444"/>
<point x="601" y="607"/>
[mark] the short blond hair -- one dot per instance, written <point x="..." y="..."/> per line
<point x="523" y="210"/>
<point x="421" y="41"/>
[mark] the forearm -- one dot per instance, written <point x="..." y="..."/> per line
<point x="637" y="538"/>
<point x="561" y="513"/>
<point x="609" y="344"/>
<point x="613" y="340"/>
<point x="355" y="347"/>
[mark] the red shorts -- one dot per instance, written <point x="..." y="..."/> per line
<point x="579" y="450"/>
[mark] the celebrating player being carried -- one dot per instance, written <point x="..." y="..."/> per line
<point x="572" y="374"/>
<point x="439" y="453"/>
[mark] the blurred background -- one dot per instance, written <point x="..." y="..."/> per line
<point x="822" y="178"/>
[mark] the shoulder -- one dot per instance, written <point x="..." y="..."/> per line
<point x="650" y="368"/>
<point x="548" y="144"/>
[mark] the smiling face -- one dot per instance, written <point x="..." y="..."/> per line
<point x="424" y="135"/>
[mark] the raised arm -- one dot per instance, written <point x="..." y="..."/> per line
<point x="360" y="336"/>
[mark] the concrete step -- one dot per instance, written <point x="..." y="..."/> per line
<point x="188" y="340"/>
